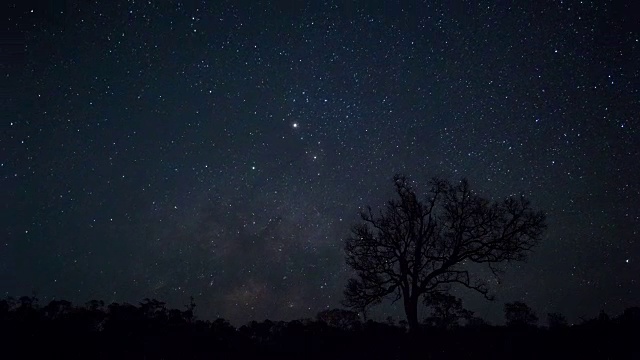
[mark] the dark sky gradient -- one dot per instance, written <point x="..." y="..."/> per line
<point x="222" y="149"/>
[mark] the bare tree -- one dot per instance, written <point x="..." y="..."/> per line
<point x="411" y="248"/>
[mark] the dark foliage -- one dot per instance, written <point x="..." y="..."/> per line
<point x="340" y="318"/>
<point x="61" y="330"/>
<point x="414" y="247"/>
<point x="556" y="321"/>
<point x="519" y="314"/>
<point x="446" y="310"/>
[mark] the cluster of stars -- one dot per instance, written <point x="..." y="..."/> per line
<point x="223" y="150"/>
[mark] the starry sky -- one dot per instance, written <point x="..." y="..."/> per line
<point x="222" y="149"/>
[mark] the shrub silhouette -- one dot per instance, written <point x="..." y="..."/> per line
<point x="519" y="314"/>
<point x="153" y="331"/>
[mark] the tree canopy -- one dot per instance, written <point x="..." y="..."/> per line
<point x="413" y="247"/>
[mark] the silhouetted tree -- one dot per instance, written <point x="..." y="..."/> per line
<point x="477" y="322"/>
<point x="412" y="247"/>
<point x="222" y="326"/>
<point x="519" y="314"/>
<point x="123" y="319"/>
<point x="603" y="317"/>
<point x="340" y="318"/>
<point x="95" y="305"/>
<point x="57" y="309"/>
<point x="446" y="310"/>
<point x="189" y="314"/>
<point x="260" y="332"/>
<point x="152" y="308"/>
<point x="27" y="308"/>
<point x="556" y="321"/>
<point x="5" y="306"/>
<point x="630" y="316"/>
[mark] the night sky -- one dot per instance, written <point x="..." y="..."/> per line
<point x="222" y="149"/>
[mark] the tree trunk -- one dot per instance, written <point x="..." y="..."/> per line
<point x="411" y="310"/>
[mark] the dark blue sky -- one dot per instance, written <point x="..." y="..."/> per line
<point x="167" y="149"/>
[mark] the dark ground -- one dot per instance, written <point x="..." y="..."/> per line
<point x="151" y="331"/>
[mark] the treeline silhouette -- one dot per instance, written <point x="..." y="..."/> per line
<point x="150" y="330"/>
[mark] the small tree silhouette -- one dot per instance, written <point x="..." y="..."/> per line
<point x="519" y="314"/>
<point x="630" y="316"/>
<point x="446" y="310"/>
<point x="152" y="308"/>
<point x="340" y="318"/>
<point x="57" y="309"/>
<point x="189" y="314"/>
<point x="412" y="247"/>
<point x="556" y="321"/>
